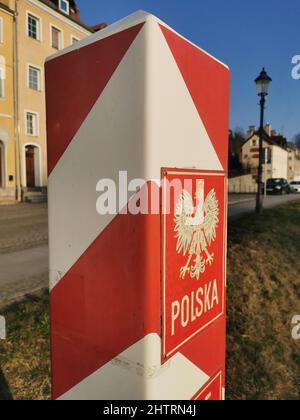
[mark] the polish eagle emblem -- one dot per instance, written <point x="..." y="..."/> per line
<point x="196" y="229"/>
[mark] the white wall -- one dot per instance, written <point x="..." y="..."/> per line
<point x="279" y="162"/>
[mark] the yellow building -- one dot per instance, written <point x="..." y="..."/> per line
<point x="43" y="27"/>
<point x="32" y="30"/>
<point x="7" y="112"/>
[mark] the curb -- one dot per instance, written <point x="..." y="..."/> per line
<point x="22" y="298"/>
<point x="246" y="200"/>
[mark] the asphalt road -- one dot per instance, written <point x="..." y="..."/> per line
<point x="243" y="204"/>
<point x="24" y="249"/>
<point x="23" y="272"/>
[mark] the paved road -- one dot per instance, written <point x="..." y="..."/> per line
<point x="23" y="226"/>
<point x="24" y="250"/>
<point x="23" y="271"/>
<point x="239" y="205"/>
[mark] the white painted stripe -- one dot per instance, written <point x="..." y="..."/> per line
<point x="144" y="120"/>
<point x="134" y="19"/>
<point x="137" y="374"/>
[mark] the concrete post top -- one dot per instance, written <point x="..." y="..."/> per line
<point x="134" y="19"/>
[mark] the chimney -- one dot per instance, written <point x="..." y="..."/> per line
<point x="268" y="129"/>
<point x="251" y="130"/>
<point x="273" y="133"/>
<point x="97" y="28"/>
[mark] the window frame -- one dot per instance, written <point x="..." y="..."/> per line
<point x="1" y="30"/>
<point x="2" y="83"/>
<point x="36" y="115"/>
<point x="74" y="38"/>
<point x="66" y="12"/>
<point x="39" y="70"/>
<point x="39" y="26"/>
<point x="61" y="37"/>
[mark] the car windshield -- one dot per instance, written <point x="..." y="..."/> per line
<point x="274" y="181"/>
<point x="295" y="183"/>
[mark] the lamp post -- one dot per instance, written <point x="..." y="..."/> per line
<point x="262" y="82"/>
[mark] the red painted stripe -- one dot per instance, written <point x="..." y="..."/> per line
<point x="108" y="301"/>
<point x="208" y="84"/>
<point x="206" y="350"/>
<point x="74" y="82"/>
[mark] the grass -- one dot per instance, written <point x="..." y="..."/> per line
<point x="263" y="362"/>
<point x="25" y="356"/>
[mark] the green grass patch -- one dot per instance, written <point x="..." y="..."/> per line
<point x="262" y="298"/>
<point x="25" y="355"/>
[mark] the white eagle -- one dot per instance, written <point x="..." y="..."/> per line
<point x="196" y="233"/>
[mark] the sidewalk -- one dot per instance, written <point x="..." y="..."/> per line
<point x="23" y="250"/>
<point x="23" y="272"/>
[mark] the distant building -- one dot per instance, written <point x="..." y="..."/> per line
<point x="7" y="105"/>
<point x="293" y="162"/>
<point x="32" y="30"/>
<point x="275" y="153"/>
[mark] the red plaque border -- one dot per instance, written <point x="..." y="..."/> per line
<point x="219" y="376"/>
<point x="165" y="173"/>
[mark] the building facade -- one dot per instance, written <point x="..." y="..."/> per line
<point x="43" y="28"/>
<point x="33" y="30"/>
<point x="7" y="104"/>
<point x="275" y="152"/>
<point x="293" y="162"/>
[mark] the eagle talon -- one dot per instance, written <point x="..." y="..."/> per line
<point x="210" y="259"/>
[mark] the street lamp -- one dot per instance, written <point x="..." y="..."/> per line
<point x="262" y="82"/>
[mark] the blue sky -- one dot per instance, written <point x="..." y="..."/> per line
<point x="246" y="35"/>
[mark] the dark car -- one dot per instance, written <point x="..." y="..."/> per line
<point x="278" y="186"/>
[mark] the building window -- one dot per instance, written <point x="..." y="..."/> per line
<point x="56" y="38"/>
<point x="33" y="27"/>
<point x="31" y="124"/>
<point x="74" y="40"/>
<point x="254" y="143"/>
<point x="34" y="78"/>
<point x="267" y="153"/>
<point x="1" y="30"/>
<point x="64" y="6"/>
<point x="2" y="81"/>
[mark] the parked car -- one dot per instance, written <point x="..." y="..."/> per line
<point x="295" y="186"/>
<point x="278" y="186"/>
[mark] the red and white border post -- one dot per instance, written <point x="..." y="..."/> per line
<point x="137" y="297"/>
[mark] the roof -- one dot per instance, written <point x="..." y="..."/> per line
<point x="53" y="4"/>
<point x="279" y="140"/>
<point x="6" y="8"/>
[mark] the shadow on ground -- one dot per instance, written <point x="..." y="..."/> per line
<point x="5" y="394"/>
